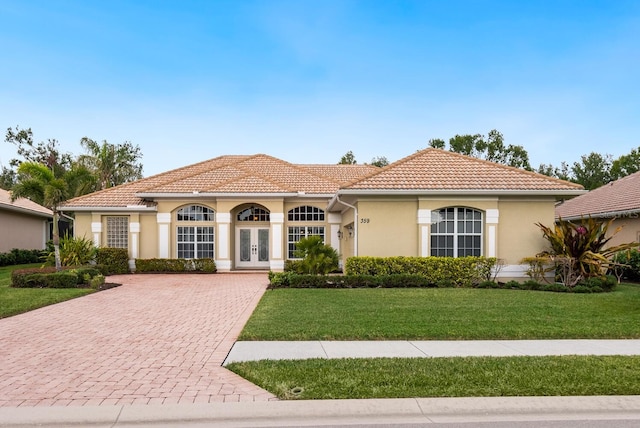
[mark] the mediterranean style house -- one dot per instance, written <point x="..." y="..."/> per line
<point x="618" y="200"/>
<point x="23" y="224"/>
<point x="249" y="211"/>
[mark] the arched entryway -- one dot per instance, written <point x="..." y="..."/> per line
<point x="252" y="230"/>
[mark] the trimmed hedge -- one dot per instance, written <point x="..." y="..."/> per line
<point x="21" y="257"/>
<point x="294" y="280"/>
<point x="458" y="271"/>
<point x="113" y="261"/>
<point x="47" y="277"/>
<point x="175" y="265"/>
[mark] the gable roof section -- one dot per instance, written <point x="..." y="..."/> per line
<point x="225" y="175"/>
<point x="23" y="205"/>
<point x="436" y="170"/>
<point x="618" y="197"/>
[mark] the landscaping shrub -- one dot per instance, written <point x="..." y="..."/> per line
<point x="294" y="266"/>
<point x="317" y="257"/>
<point x="441" y="271"/>
<point x="557" y="287"/>
<point x="112" y="261"/>
<point x="630" y="260"/>
<point x="74" y="251"/>
<point x="578" y="249"/>
<point x="488" y="284"/>
<point x="7" y="259"/>
<point x="308" y="281"/>
<point x="605" y="283"/>
<point x="204" y="265"/>
<point x="175" y="265"/>
<point x="63" y="279"/>
<point x="279" y="279"/>
<point x="361" y="281"/>
<point x="21" y="257"/>
<point x="47" y="277"/>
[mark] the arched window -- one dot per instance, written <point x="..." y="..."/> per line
<point x="195" y="213"/>
<point x="195" y="242"/>
<point x="306" y="213"/>
<point x="456" y="232"/>
<point x="254" y="214"/>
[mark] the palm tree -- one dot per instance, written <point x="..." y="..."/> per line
<point x="112" y="164"/>
<point x="38" y="183"/>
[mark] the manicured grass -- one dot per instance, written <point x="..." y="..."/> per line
<point x="445" y="377"/>
<point x="443" y="313"/>
<point x="15" y="301"/>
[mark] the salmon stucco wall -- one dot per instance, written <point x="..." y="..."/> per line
<point x="629" y="230"/>
<point x="22" y="231"/>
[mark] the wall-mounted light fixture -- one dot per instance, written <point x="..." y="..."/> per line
<point x="349" y="227"/>
<point x="339" y="234"/>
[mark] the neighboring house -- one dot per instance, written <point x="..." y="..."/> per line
<point x="23" y="224"/>
<point x="248" y="212"/>
<point x="619" y="199"/>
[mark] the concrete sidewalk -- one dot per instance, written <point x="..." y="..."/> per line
<point x="332" y="412"/>
<point x="274" y="350"/>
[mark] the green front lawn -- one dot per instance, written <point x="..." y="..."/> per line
<point x="445" y="377"/>
<point x="15" y="301"/>
<point x="443" y="313"/>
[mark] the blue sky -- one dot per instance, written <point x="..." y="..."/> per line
<point x="306" y="81"/>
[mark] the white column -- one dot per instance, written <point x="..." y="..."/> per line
<point x="277" y="221"/>
<point x="134" y="229"/>
<point x="334" y="226"/>
<point x="424" y="222"/>
<point x="492" y="217"/>
<point x="164" y="237"/>
<point x="96" y="229"/>
<point x="223" y="262"/>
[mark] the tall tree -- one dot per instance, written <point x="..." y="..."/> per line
<point x="47" y="153"/>
<point x="562" y="172"/>
<point x="379" y="161"/>
<point x="593" y="170"/>
<point x="112" y="164"/>
<point x="437" y="143"/>
<point x="38" y="183"/>
<point x="491" y="148"/>
<point x="626" y="164"/>
<point x="348" y="159"/>
<point x="7" y="178"/>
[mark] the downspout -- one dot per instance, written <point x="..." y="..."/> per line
<point x="355" y="223"/>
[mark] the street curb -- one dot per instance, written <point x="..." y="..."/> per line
<point x="408" y="410"/>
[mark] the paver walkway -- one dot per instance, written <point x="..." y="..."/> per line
<point x="157" y="339"/>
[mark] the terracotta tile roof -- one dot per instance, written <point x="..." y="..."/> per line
<point x="618" y="196"/>
<point x="237" y="174"/>
<point x="22" y="204"/>
<point x="225" y="174"/>
<point x="436" y="169"/>
<point x="342" y="173"/>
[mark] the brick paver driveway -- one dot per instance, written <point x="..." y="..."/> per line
<point x="156" y="339"/>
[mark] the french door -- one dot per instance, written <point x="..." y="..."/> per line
<point x="252" y="247"/>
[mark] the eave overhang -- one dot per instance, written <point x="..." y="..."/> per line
<point x="634" y="213"/>
<point x="25" y="211"/>
<point x="128" y="208"/>
<point x="232" y="195"/>
<point x="462" y="192"/>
